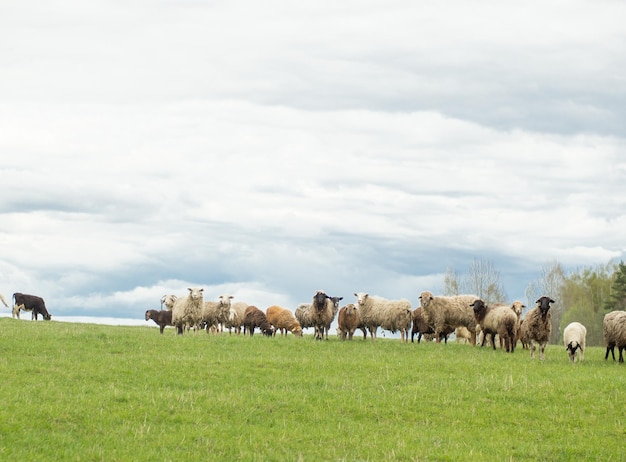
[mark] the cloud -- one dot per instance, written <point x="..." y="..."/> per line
<point x="276" y="150"/>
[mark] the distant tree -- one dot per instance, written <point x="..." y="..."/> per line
<point x="551" y="284"/>
<point x="484" y="280"/>
<point x="617" y="297"/>
<point x="583" y="297"/>
<point x="451" y="282"/>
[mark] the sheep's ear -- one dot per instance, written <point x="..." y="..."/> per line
<point x="552" y="301"/>
<point x="340" y="298"/>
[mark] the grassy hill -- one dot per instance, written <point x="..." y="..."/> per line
<point x="94" y="392"/>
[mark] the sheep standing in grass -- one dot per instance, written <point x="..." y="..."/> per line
<point x="216" y="313"/>
<point x="392" y="315"/>
<point x="614" y="329"/>
<point x="254" y="318"/>
<point x="321" y="314"/>
<point x="282" y="319"/>
<point x="463" y="335"/>
<point x="537" y="326"/>
<point x="454" y="311"/>
<point x="496" y="319"/>
<point x="235" y="316"/>
<point x="161" y="317"/>
<point x="187" y="310"/>
<point x="422" y="328"/>
<point x="574" y="336"/>
<point x="348" y="321"/>
<point x="304" y="315"/>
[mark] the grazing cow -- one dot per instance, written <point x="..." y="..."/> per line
<point x="32" y="303"/>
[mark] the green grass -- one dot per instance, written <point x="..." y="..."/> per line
<point x="91" y="392"/>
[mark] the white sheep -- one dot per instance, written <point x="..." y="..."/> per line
<point x="614" y="329"/>
<point x="392" y="315"/>
<point x="463" y="335"/>
<point x="537" y="326"/>
<point x="496" y="319"/>
<point x="187" y="310"/>
<point x="574" y="336"/>
<point x="303" y="315"/>
<point x="216" y="313"/>
<point x="452" y="311"/>
<point x="168" y="301"/>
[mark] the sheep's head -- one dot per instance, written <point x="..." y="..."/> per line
<point x="361" y="298"/>
<point x="571" y="349"/>
<point x="195" y="293"/>
<point x="225" y="299"/>
<point x="319" y="300"/>
<point x="544" y="305"/>
<point x="479" y="309"/>
<point x="168" y="301"/>
<point x="517" y="308"/>
<point x="425" y="298"/>
<point x="297" y="331"/>
<point x="336" y="301"/>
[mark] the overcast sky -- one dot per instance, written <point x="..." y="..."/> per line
<point x="271" y="149"/>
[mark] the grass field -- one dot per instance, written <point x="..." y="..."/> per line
<point x="91" y="392"/>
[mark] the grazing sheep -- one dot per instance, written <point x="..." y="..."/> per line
<point x="614" y="328"/>
<point x="187" y="310"/>
<point x="304" y="315"/>
<point x="254" y="317"/>
<point x="496" y="319"/>
<point x="574" y="336"/>
<point x="537" y="326"/>
<point x="168" y="301"/>
<point x="216" y="313"/>
<point x="348" y="321"/>
<point x="235" y="316"/>
<point x="282" y="319"/>
<point x="421" y="327"/>
<point x="392" y="315"/>
<point x="161" y="317"/>
<point x="454" y="311"/>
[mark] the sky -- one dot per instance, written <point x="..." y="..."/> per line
<point x="272" y="149"/>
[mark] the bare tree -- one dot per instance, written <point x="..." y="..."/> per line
<point x="484" y="280"/>
<point x="451" y="282"/>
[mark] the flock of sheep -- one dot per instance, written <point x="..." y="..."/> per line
<point x="437" y="317"/>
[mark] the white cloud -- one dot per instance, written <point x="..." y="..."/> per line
<point x="278" y="149"/>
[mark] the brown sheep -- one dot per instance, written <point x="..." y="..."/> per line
<point x="348" y="320"/>
<point x="161" y="317"/>
<point x="254" y="317"/>
<point x="282" y="319"/>
<point x="422" y="328"/>
<point x="537" y="326"/>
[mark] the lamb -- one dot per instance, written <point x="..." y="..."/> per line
<point x="187" y="310"/>
<point x="216" y="313"/>
<point x="614" y="328"/>
<point x="463" y="335"/>
<point x="537" y="326"/>
<point x="161" y="317"/>
<point x="454" y="311"/>
<point x="168" y="301"/>
<point x="235" y="316"/>
<point x="348" y="321"/>
<point x="393" y="315"/>
<point x="282" y="319"/>
<point x="254" y="317"/>
<point x="517" y="308"/>
<point x="496" y="319"/>
<point x="574" y="336"/>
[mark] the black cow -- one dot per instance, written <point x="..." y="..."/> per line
<point x="32" y="303"/>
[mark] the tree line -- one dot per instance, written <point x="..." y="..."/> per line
<point x="584" y="295"/>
